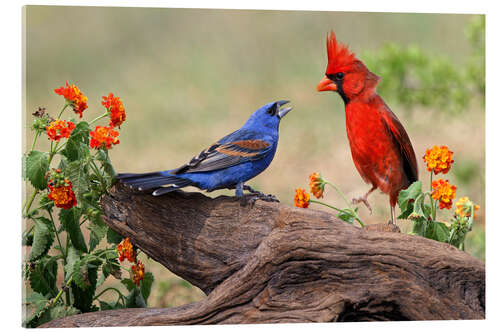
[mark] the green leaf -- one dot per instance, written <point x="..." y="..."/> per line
<point x="58" y="311"/>
<point x="86" y="277"/>
<point x="110" y="306"/>
<point x="71" y="261"/>
<point x="438" y="231"/>
<point x="98" y="230"/>
<point x="128" y="283"/>
<point x="411" y="193"/>
<point x="77" y="173"/>
<point x="135" y="299"/>
<point x="146" y="285"/>
<point x="419" y="226"/>
<point x="111" y="266"/>
<point x="27" y="238"/>
<point x="43" y="277"/>
<point x="80" y="270"/>
<point x="346" y="216"/>
<point x="113" y="237"/>
<point x="42" y="239"/>
<point x="70" y="218"/>
<point x="46" y="203"/>
<point x="103" y="157"/>
<point x="37" y="164"/>
<point x="38" y="304"/>
<point x="77" y="145"/>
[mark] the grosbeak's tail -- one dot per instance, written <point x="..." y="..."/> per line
<point x="153" y="180"/>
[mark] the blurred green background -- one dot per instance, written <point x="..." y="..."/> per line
<point x="189" y="76"/>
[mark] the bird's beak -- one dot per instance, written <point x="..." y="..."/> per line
<point x="283" y="112"/>
<point x="326" y="84"/>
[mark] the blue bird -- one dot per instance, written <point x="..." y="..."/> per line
<point x="228" y="163"/>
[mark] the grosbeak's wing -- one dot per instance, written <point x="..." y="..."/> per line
<point x="233" y="149"/>
<point x="402" y="141"/>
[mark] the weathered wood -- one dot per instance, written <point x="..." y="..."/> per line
<point x="273" y="263"/>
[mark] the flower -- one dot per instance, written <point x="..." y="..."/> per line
<point x="138" y="272"/>
<point x="316" y="184"/>
<point x="126" y="250"/>
<point x="465" y="207"/>
<point x="73" y="95"/>
<point x="59" y="129"/>
<point x="62" y="195"/>
<point x="438" y="159"/>
<point x="444" y="192"/>
<point x="116" y="109"/>
<point x="301" y="198"/>
<point x="103" y="137"/>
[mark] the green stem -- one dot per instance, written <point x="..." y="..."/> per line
<point x="100" y="117"/>
<point x="58" y="240"/>
<point x="109" y="288"/>
<point x="34" y="139"/>
<point x="341" y="211"/>
<point x="27" y="206"/>
<point x="340" y="193"/>
<point x="327" y="205"/>
<point x="62" y="290"/>
<point x="99" y="174"/>
<point x="64" y="108"/>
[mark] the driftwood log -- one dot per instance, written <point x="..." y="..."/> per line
<point x="272" y="263"/>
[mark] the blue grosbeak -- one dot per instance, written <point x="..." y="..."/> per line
<point x="228" y="163"/>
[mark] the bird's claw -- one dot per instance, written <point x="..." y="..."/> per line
<point x="253" y="197"/>
<point x="364" y="200"/>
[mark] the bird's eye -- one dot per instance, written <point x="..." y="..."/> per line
<point x="339" y="76"/>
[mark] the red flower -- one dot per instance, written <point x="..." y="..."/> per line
<point x="59" y="129"/>
<point x="73" y="95"/>
<point x="103" y="137"/>
<point x="62" y="195"/>
<point x="316" y="184"/>
<point x="444" y="192"/>
<point x="301" y="198"/>
<point x="438" y="159"/>
<point x="115" y="106"/>
<point x="138" y="272"/>
<point x="126" y="250"/>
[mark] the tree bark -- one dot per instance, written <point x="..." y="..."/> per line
<point x="272" y="263"/>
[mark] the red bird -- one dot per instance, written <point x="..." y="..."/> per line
<point x="380" y="147"/>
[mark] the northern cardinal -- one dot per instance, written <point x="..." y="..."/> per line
<point x="228" y="163"/>
<point x="380" y="147"/>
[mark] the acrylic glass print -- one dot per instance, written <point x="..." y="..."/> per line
<point x="246" y="166"/>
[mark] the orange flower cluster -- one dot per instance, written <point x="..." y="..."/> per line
<point x="301" y="198"/>
<point x="73" y="95"/>
<point x="444" y="192"/>
<point x="126" y="250"/>
<point x="103" y="137"/>
<point x="138" y="272"/>
<point x="465" y="207"/>
<point x="59" y="129"/>
<point x="438" y="159"/>
<point x="316" y="184"/>
<point x="115" y="106"/>
<point x="62" y="195"/>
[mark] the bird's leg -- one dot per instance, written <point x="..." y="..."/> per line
<point x="393" y="215"/>
<point x="239" y="194"/>
<point x="364" y="199"/>
<point x="259" y="195"/>
<point x="239" y="190"/>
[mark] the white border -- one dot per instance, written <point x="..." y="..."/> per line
<point x="11" y="128"/>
